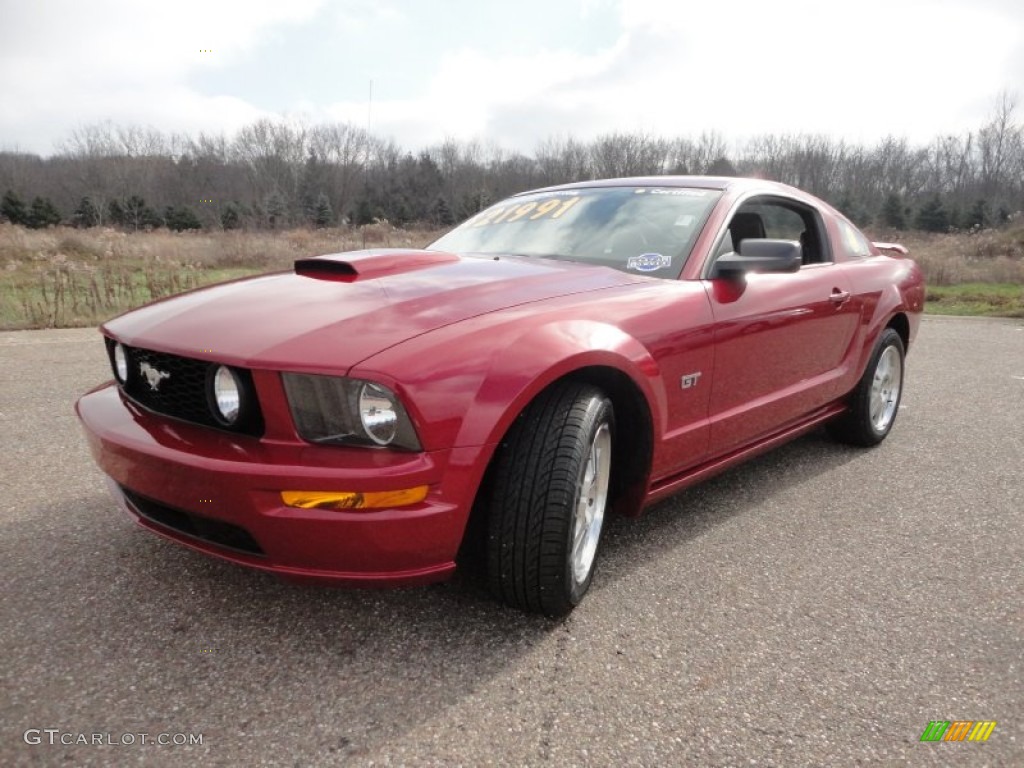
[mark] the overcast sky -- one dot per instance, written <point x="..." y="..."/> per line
<point x="509" y="72"/>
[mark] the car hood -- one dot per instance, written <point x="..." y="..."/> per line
<point x="338" y="310"/>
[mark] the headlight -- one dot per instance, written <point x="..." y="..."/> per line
<point x="378" y="413"/>
<point x="331" y="409"/>
<point x="225" y="395"/>
<point x="120" y="363"/>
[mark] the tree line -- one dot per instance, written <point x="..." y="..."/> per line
<point x="276" y="174"/>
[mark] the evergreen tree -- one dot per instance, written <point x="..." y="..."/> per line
<point x="978" y="217"/>
<point x="852" y="209"/>
<point x="363" y="213"/>
<point x="722" y="167"/>
<point x="442" y="213"/>
<point x="483" y="200"/>
<point x="309" y="209"/>
<point x="13" y="209"/>
<point x="932" y="217"/>
<point x="182" y="218"/>
<point x="43" y="214"/>
<point x="86" y="214"/>
<point x="150" y="218"/>
<point x="231" y="217"/>
<point x="471" y="204"/>
<point x="892" y="212"/>
<point x="134" y="212"/>
<point x="314" y="177"/>
<point x="258" y="214"/>
<point x="323" y="216"/>
<point x="956" y="218"/>
<point x="276" y="211"/>
<point x="115" y="213"/>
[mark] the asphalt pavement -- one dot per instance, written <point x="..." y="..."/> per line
<point x="817" y="606"/>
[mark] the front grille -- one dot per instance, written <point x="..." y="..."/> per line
<point x="177" y="387"/>
<point x="226" y="535"/>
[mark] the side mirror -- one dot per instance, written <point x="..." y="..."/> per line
<point x="760" y="255"/>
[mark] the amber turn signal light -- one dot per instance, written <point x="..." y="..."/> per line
<point x="354" y="499"/>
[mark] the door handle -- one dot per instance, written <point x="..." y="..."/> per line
<point x="839" y="297"/>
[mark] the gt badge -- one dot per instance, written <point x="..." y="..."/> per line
<point x="690" y="380"/>
<point x="153" y="376"/>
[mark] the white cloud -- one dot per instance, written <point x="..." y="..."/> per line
<point x="364" y="16"/>
<point x="905" y="67"/>
<point x="859" y="71"/>
<point x="66" y="62"/>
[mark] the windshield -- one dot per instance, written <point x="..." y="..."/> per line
<point x="646" y="230"/>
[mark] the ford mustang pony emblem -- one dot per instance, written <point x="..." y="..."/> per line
<point x="152" y="376"/>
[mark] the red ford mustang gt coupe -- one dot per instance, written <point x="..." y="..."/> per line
<point x="369" y="417"/>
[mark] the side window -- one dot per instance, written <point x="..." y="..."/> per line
<point x="781" y="223"/>
<point x="854" y="242"/>
<point x="778" y="219"/>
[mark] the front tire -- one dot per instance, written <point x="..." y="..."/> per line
<point x="876" y="400"/>
<point x="548" y="499"/>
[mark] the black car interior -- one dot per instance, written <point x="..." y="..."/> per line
<point x="747" y="224"/>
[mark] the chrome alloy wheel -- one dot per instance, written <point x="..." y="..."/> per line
<point x="885" y="389"/>
<point x="590" y="504"/>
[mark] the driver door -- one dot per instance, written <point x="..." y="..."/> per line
<point x="780" y="339"/>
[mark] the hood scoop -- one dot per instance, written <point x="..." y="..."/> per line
<point x="366" y="265"/>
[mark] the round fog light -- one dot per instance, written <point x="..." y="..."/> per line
<point x="120" y="363"/>
<point x="227" y="395"/>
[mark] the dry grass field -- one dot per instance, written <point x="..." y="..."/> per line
<point x="64" y="277"/>
<point x="988" y="256"/>
<point x="976" y="273"/>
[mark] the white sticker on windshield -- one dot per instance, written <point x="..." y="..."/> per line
<point x="681" y="192"/>
<point x="649" y="262"/>
<point x="686" y="220"/>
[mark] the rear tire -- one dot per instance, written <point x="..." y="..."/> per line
<point x="875" y="401"/>
<point x="547" y="502"/>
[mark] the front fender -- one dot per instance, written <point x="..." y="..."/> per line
<point x="464" y="384"/>
<point x="542" y="356"/>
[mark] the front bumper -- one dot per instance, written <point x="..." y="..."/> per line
<point x="220" y="494"/>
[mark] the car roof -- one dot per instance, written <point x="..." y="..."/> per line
<point x="723" y="183"/>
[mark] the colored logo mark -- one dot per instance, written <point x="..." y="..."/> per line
<point x="958" y="730"/>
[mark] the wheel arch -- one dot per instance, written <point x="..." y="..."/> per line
<point x="634" y="435"/>
<point x="477" y="384"/>
<point x="891" y="311"/>
<point x="901" y="324"/>
<point x="634" y="442"/>
<point x="634" y="431"/>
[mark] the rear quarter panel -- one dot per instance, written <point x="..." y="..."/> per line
<point x="886" y="285"/>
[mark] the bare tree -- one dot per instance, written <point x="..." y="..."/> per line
<point x="276" y="170"/>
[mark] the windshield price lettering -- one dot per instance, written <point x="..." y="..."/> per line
<point x="552" y="209"/>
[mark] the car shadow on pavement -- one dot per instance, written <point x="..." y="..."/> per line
<point x="673" y="522"/>
<point x="124" y="630"/>
<point x="140" y="634"/>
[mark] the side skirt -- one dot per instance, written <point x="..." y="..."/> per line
<point x="701" y="472"/>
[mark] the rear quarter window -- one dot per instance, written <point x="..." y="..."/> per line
<point x="854" y="243"/>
